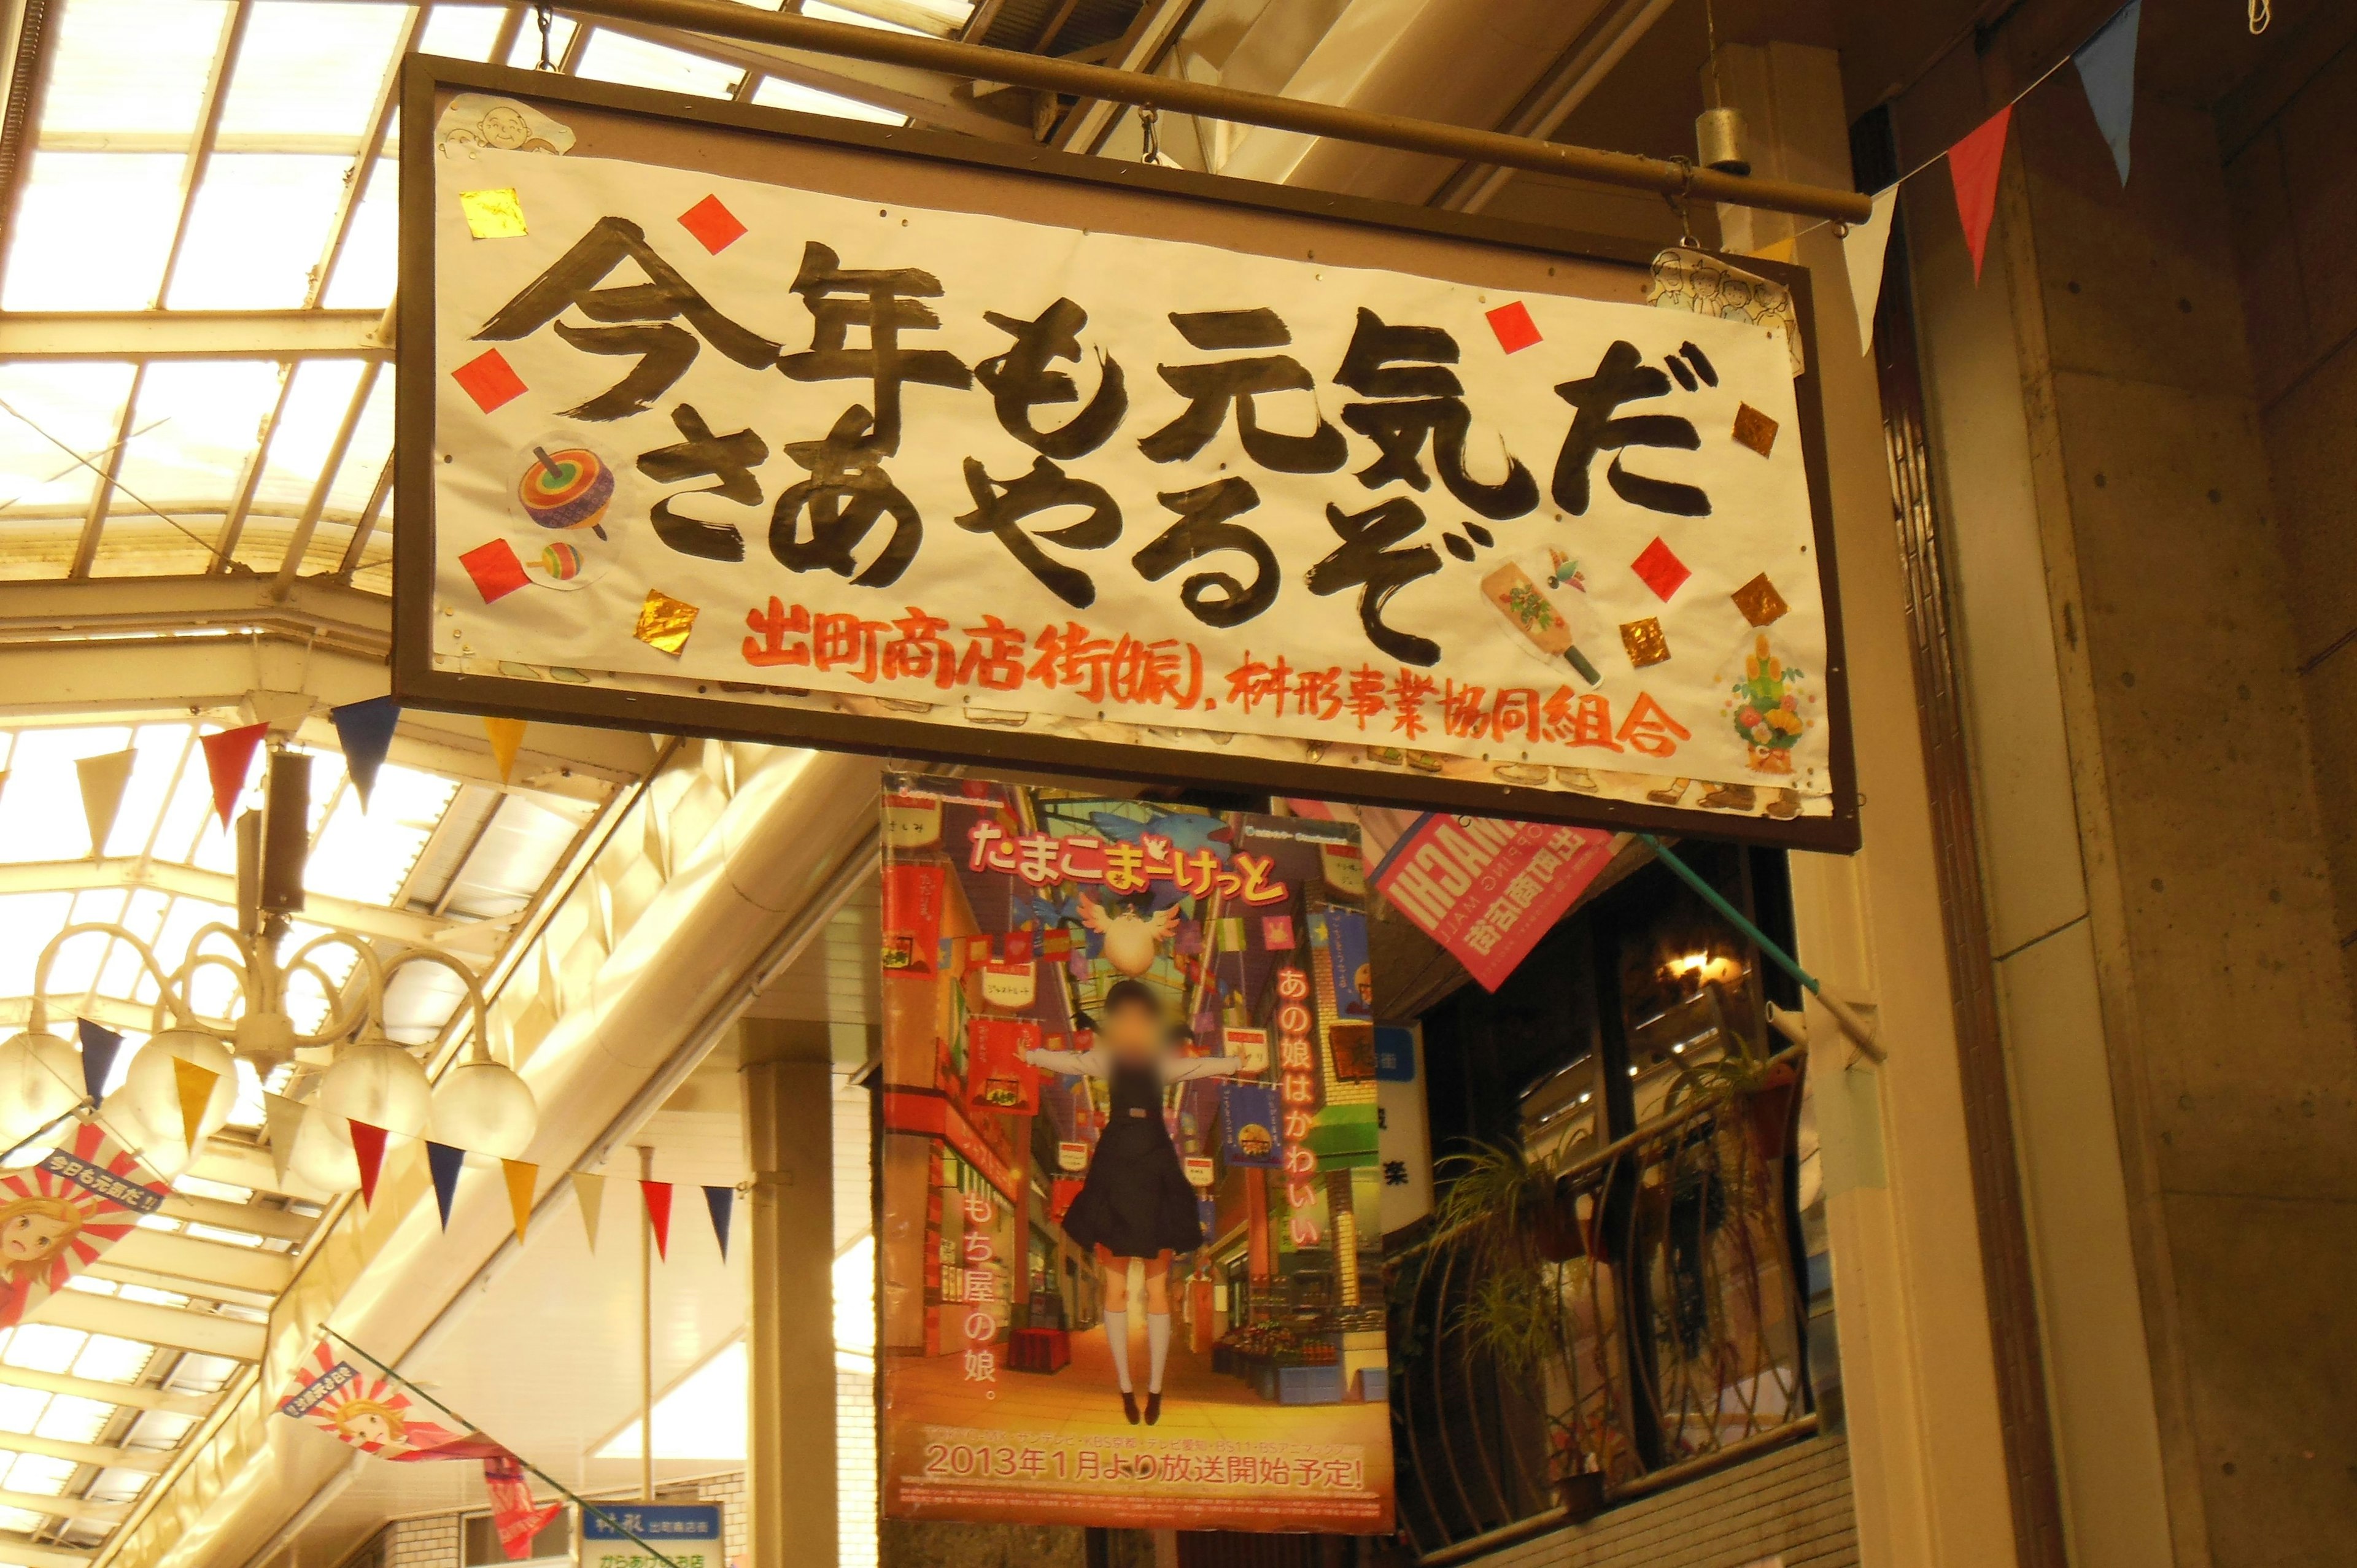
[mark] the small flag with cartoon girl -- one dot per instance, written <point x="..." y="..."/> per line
<point x="369" y="1411"/>
<point x="59" y="1217"/>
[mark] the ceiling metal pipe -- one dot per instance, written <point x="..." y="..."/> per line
<point x="1628" y="170"/>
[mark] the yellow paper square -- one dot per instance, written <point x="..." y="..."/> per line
<point x="492" y="214"/>
<point x="664" y="622"/>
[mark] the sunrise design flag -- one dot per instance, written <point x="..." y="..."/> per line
<point x="59" y="1217"/>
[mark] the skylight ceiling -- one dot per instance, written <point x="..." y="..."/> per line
<point x="238" y="155"/>
<point x="96" y="1396"/>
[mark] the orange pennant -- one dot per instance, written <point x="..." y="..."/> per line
<point x="522" y="1176"/>
<point x="195" y="1082"/>
<point x="506" y="736"/>
<point x="368" y="1145"/>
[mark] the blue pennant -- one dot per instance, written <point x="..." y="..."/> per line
<point x="365" y="732"/>
<point x="99" y="1045"/>
<point x="2106" y="65"/>
<point x="445" y="1161"/>
<point x="721" y="1201"/>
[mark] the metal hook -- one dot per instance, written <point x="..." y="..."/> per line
<point x="1148" y="121"/>
<point x="1678" y="203"/>
<point x="541" y="12"/>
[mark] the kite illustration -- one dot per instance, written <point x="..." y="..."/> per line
<point x="59" y="1217"/>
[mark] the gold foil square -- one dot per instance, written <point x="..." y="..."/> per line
<point x="664" y="622"/>
<point x="1761" y="602"/>
<point x="1755" y="429"/>
<point x="492" y="214"/>
<point x="1644" y="641"/>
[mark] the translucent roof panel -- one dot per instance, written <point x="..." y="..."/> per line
<point x="98" y="88"/>
<point x="93" y="231"/>
<point x="256" y="231"/>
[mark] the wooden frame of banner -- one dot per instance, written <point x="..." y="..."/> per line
<point x="749" y="142"/>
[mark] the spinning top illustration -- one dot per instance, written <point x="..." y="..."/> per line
<point x="571" y="487"/>
<point x="562" y="561"/>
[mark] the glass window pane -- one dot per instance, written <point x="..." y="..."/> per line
<point x="365" y="270"/>
<point x="93" y="231"/>
<point x="257" y="229"/>
<point x="462" y="32"/>
<point x="775" y="94"/>
<point x="312" y="70"/>
<point x="78" y="406"/>
<point x="611" y="57"/>
<point x="96" y="85"/>
<point x="198" y="421"/>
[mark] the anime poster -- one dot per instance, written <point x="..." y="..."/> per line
<point x="1130" y="1154"/>
<point x="59" y="1217"/>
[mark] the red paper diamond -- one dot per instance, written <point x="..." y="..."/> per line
<point x="714" y="227"/>
<point x="489" y="380"/>
<point x="1515" y="329"/>
<point x="1662" y="571"/>
<point x="495" y="569"/>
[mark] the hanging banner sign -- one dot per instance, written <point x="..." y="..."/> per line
<point x="618" y="1535"/>
<point x="783" y="428"/>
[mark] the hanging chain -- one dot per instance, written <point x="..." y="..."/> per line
<point x="541" y="14"/>
<point x="1677" y="200"/>
<point x="2261" y="13"/>
<point x="1149" y="121"/>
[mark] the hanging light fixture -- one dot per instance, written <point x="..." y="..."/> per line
<point x="365" y="1076"/>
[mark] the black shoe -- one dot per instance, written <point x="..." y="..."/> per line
<point x="1129" y="1406"/>
<point x="1152" y="1408"/>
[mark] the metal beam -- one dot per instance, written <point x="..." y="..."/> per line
<point x="149" y="644"/>
<point x="253" y="1219"/>
<point x="64" y="1508"/>
<point x="192" y="335"/>
<point x="151" y="1460"/>
<point x="1085" y="127"/>
<point x="39" y="1554"/>
<point x="178" y="1328"/>
<point x="929" y="97"/>
<point x="215" y="887"/>
<point x="1626" y="171"/>
<point x="192" y="1258"/>
<point x="139" y="1395"/>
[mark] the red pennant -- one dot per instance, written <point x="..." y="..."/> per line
<point x="229" y="758"/>
<point x="658" y="1197"/>
<point x="368" y="1145"/>
<point x="1974" y="164"/>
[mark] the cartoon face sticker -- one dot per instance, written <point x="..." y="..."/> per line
<point x="505" y="127"/>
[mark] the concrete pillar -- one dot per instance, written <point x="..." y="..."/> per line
<point x="789" y="1490"/>
<point x="1918" y="1365"/>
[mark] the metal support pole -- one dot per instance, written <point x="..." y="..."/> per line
<point x="791" y="30"/>
<point x="646" y="1331"/>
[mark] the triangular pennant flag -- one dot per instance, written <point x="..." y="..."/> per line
<point x="1863" y="250"/>
<point x="195" y="1082"/>
<point x="657" y="1195"/>
<point x="103" y="778"/>
<point x="521" y="1177"/>
<point x="229" y="758"/>
<point x="507" y="738"/>
<point x="1974" y="164"/>
<point x="2106" y="65"/>
<point x="284" y="1117"/>
<point x="365" y="732"/>
<point x="368" y="1145"/>
<point x="590" y="1191"/>
<point x="445" y="1163"/>
<point x="99" y="1045"/>
<point x="720" y="1200"/>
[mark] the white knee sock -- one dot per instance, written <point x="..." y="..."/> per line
<point x="1116" y="1326"/>
<point x="1157" y="1349"/>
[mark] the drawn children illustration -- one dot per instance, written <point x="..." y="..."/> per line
<point x="1136" y="1202"/>
<point x="372" y="1413"/>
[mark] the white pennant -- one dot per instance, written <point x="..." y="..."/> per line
<point x="1863" y="248"/>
